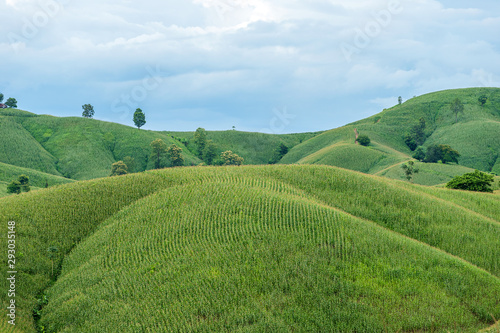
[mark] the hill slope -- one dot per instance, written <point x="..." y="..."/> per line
<point x="476" y="136"/>
<point x="305" y="248"/>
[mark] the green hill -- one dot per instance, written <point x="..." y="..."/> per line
<point x="255" y="249"/>
<point x="475" y="136"/>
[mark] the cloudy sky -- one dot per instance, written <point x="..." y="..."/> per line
<point x="276" y="66"/>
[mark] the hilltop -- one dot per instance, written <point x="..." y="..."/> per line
<point x="476" y="136"/>
<point x="77" y="148"/>
<point x="253" y="249"/>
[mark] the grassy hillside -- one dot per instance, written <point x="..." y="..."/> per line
<point x="255" y="148"/>
<point x="276" y="248"/>
<point x="37" y="179"/>
<point x="475" y="136"/>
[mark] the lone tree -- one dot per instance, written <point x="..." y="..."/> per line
<point x="482" y="99"/>
<point x="364" y="140"/>
<point x="88" y="111"/>
<point x="1" y="97"/>
<point x="158" y="151"/>
<point x="409" y="170"/>
<point x="119" y="168"/>
<point x="200" y="140"/>
<point x="473" y="181"/>
<point x="175" y="155"/>
<point x="457" y="107"/>
<point x="11" y="102"/>
<point x="400" y="100"/>
<point x="230" y="158"/>
<point x="139" y="118"/>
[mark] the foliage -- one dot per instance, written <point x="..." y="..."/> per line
<point x="419" y="154"/>
<point x="209" y="152"/>
<point x="88" y="111"/>
<point x="400" y="100"/>
<point x="158" y="151"/>
<point x="119" y="168"/>
<point x="416" y="137"/>
<point x="409" y="170"/>
<point x="230" y="158"/>
<point x="22" y="184"/>
<point x="457" y="107"/>
<point x="482" y="99"/>
<point x="14" y="187"/>
<point x="11" y="102"/>
<point x="139" y="118"/>
<point x="443" y="153"/>
<point x="280" y="151"/>
<point x="1" y="97"/>
<point x="200" y="140"/>
<point x="364" y="140"/>
<point x="473" y="181"/>
<point x="175" y="155"/>
<point x="130" y="163"/>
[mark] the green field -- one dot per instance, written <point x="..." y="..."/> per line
<point x="255" y="249"/>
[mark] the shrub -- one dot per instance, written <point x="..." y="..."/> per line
<point x="364" y="140"/>
<point x="474" y="181"/>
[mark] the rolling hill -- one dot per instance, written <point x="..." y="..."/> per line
<point x="81" y="149"/>
<point x="476" y="136"/>
<point x="254" y="249"/>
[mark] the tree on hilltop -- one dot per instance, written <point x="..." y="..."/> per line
<point x="11" y="102"/>
<point x="88" y="111"/>
<point x="1" y="97"/>
<point x="457" y="107"/>
<point x="139" y="118"/>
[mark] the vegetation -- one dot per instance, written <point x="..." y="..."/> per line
<point x="158" y="152"/>
<point x="364" y="140"/>
<point x="88" y="111"/>
<point x="175" y="156"/>
<point x="443" y="153"/>
<point x="230" y="158"/>
<point x="281" y="151"/>
<point x="457" y="107"/>
<point x="200" y="140"/>
<point x="416" y="137"/>
<point x="1" y="97"/>
<point x="139" y="118"/>
<point x="11" y="102"/>
<point x="409" y="170"/>
<point x="276" y="248"/>
<point x="482" y="99"/>
<point x="119" y="168"/>
<point x="474" y="181"/>
<point x="22" y="184"/>
<point x="209" y="152"/>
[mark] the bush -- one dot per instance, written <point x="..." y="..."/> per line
<point x="364" y="140"/>
<point x="473" y="181"/>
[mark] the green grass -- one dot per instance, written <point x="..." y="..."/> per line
<point x="37" y="179"/>
<point x="276" y="248"/>
<point x="475" y="136"/>
<point x="255" y="148"/>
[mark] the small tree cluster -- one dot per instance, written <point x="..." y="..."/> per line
<point x="175" y="155"/>
<point x="10" y="103"/>
<point x="230" y="158"/>
<point x="160" y="150"/>
<point x="22" y="184"/>
<point x="436" y="153"/>
<point x="482" y="99"/>
<point x="473" y="181"/>
<point x="363" y="140"/>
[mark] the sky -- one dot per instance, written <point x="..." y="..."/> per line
<point x="273" y="66"/>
